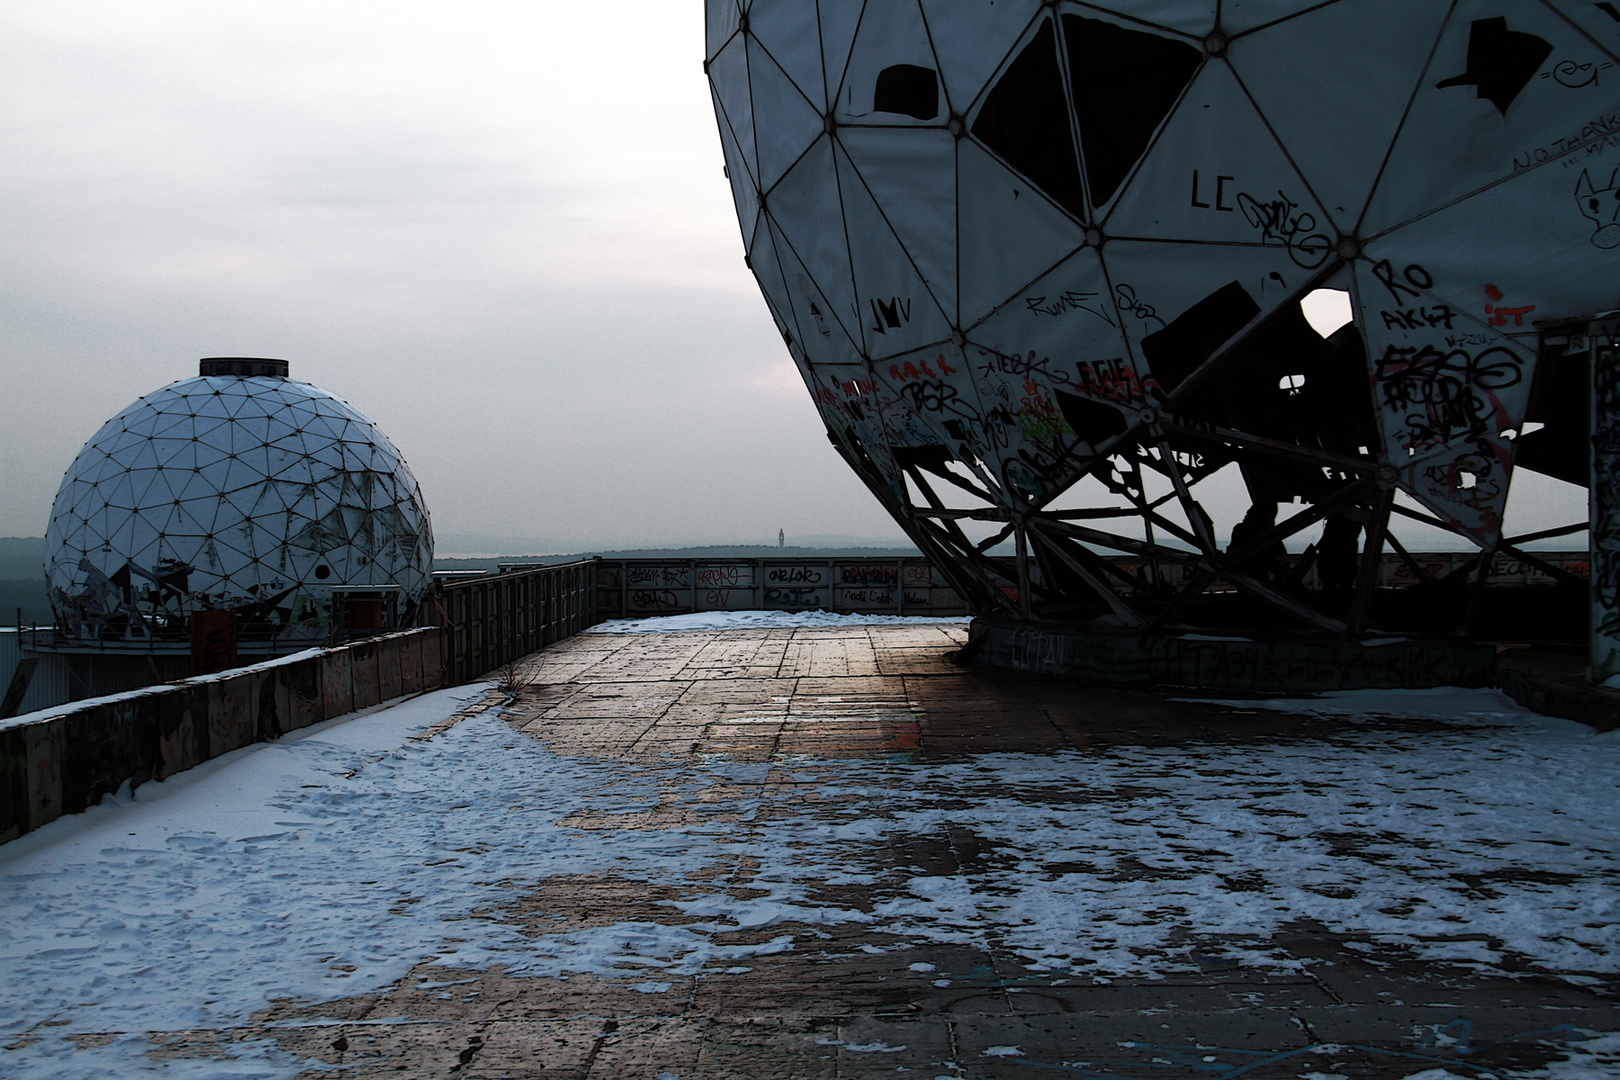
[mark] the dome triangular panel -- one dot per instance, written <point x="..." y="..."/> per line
<point x="1358" y="73"/>
<point x="1009" y="234"/>
<point x="912" y="178"/>
<point x="898" y="312"/>
<point x="1217" y="175"/>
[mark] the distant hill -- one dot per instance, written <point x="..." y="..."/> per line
<point x="22" y="580"/>
<point x="22" y="557"/>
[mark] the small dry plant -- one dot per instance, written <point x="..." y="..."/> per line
<point x="512" y="680"/>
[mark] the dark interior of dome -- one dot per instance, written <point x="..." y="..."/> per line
<point x="1025" y="120"/>
<point x="1125" y="83"/>
<point x="1561" y="401"/>
<point x="907" y="90"/>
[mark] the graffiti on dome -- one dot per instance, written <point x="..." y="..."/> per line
<point x="1099" y="243"/>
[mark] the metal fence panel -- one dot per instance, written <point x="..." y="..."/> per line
<point x="637" y="588"/>
<point x="491" y="621"/>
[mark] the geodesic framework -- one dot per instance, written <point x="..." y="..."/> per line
<point x="1041" y="264"/>
<point x="254" y="494"/>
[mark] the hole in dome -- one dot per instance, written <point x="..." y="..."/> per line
<point x="1291" y="383"/>
<point x="1125" y="83"/>
<point x="323" y="571"/>
<point x="1026" y="121"/>
<point x="908" y="90"/>
<point x="1326" y="310"/>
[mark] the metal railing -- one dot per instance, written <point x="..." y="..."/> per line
<point x="497" y="618"/>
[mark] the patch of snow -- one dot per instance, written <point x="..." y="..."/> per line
<point x="921" y="967"/>
<point x="1001" y="1051"/>
<point x="327" y="865"/>
<point x="754" y="620"/>
<point x="650" y="987"/>
<point x="1597" y="1057"/>
<point x="42" y="715"/>
<point x="879" y="1047"/>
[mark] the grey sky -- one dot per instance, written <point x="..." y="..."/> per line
<point x="499" y="229"/>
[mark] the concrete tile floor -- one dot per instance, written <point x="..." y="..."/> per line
<point x="855" y="1000"/>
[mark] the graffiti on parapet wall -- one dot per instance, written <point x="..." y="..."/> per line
<point x="804" y="599"/>
<point x="724" y="577"/>
<point x="868" y="575"/>
<point x="655" y="600"/>
<point x="659" y="577"/>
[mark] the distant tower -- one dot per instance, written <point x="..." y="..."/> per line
<point x="781" y="538"/>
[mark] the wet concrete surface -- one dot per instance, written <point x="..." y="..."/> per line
<point x="854" y="998"/>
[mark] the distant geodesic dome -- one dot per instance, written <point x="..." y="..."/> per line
<point x="239" y="490"/>
<point x="1041" y="267"/>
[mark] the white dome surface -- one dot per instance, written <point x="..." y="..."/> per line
<point x="260" y="495"/>
<point x="1041" y="265"/>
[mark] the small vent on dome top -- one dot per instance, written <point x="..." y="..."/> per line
<point x="242" y="367"/>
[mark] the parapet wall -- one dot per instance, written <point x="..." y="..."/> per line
<point x="63" y="760"/>
<point x="1260" y="663"/>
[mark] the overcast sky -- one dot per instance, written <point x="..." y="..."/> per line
<point x="499" y="229"/>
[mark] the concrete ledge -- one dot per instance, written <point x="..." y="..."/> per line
<point x="1556" y="685"/>
<point x="1263" y="663"/>
<point x="63" y="760"/>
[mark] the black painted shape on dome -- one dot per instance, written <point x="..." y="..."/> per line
<point x="1025" y="120"/>
<point x="1093" y="421"/>
<point x="1501" y="62"/>
<point x="1176" y="351"/>
<point x="908" y="90"/>
<point x="931" y="456"/>
<point x="1125" y="83"/>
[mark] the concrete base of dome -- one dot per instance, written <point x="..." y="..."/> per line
<point x="1262" y="663"/>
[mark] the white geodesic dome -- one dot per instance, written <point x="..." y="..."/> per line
<point x="1021" y="250"/>
<point x="255" y="494"/>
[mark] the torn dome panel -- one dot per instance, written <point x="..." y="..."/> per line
<point x="1115" y="211"/>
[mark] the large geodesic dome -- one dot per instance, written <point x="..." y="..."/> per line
<point x="240" y="490"/>
<point x="1041" y="267"/>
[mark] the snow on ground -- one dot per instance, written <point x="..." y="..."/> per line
<point x="757" y="620"/>
<point x="327" y="865"/>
